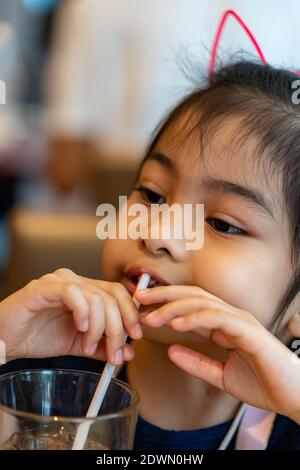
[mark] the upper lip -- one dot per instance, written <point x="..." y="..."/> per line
<point x="139" y="270"/>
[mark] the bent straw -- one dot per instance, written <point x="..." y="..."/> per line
<point x="101" y="389"/>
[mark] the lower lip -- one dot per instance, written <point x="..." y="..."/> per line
<point x="129" y="284"/>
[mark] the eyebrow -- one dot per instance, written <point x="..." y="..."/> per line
<point x="218" y="185"/>
<point x="229" y="188"/>
<point x="165" y="161"/>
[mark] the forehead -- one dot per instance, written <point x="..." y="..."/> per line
<point x="222" y="150"/>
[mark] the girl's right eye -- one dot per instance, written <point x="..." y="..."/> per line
<point x="149" y="196"/>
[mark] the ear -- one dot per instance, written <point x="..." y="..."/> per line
<point x="293" y="325"/>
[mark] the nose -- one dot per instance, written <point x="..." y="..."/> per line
<point x="163" y="237"/>
<point x="175" y="249"/>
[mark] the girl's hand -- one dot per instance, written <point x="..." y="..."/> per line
<point x="62" y="313"/>
<point x="259" y="369"/>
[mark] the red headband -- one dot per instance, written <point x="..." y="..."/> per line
<point x="217" y="38"/>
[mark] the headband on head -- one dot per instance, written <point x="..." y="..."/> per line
<point x="217" y="38"/>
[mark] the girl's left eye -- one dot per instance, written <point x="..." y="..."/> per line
<point x="150" y="196"/>
<point x="221" y="226"/>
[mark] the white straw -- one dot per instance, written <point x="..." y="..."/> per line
<point x="101" y="389"/>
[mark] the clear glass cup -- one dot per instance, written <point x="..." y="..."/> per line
<point x="42" y="410"/>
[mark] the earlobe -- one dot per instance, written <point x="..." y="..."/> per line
<point x="293" y="325"/>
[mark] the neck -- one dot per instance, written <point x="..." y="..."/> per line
<point x="171" y="398"/>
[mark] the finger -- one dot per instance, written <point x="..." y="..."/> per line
<point x="100" y="352"/>
<point x="181" y="307"/>
<point x="204" y="332"/>
<point x="107" y="286"/>
<point x="129" y="312"/>
<point x="162" y="294"/>
<point x="68" y="275"/>
<point x="127" y="307"/>
<point x="114" y="331"/>
<point x="244" y="331"/>
<point x="69" y="296"/>
<point x="199" y="365"/>
<point x="205" y="318"/>
<point x="218" y="337"/>
<point x="96" y="322"/>
<point x="98" y="283"/>
<point x="128" y="352"/>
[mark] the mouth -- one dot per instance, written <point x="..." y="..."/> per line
<point x="152" y="282"/>
<point x="132" y="276"/>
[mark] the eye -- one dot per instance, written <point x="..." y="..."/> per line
<point x="221" y="226"/>
<point x="150" y="196"/>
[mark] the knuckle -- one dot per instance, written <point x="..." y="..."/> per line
<point x="63" y="272"/>
<point x="33" y="284"/>
<point x="107" y="298"/>
<point x="46" y="277"/>
<point x="96" y="299"/>
<point x="119" y="289"/>
<point x="130" y="307"/>
<point x="113" y="303"/>
<point x="70" y="288"/>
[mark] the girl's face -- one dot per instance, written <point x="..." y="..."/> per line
<point x="245" y="257"/>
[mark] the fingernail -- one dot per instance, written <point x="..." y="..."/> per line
<point x="92" y="349"/>
<point x="142" y="291"/>
<point x="119" y="356"/>
<point x="84" y="325"/>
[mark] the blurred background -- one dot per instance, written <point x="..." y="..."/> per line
<point x="83" y="84"/>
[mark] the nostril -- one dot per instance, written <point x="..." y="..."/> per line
<point x="156" y="246"/>
<point x="163" y="251"/>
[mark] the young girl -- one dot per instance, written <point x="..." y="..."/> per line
<point x="221" y="315"/>
<point x="215" y="332"/>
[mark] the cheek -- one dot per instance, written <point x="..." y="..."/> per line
<point x="249" y="279"/>
<point x="118" y="253"/>
<point x="113" y="259"/>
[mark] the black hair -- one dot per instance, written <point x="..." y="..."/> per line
<point x="260" y="96"/>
